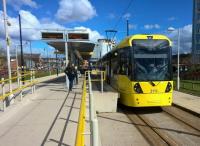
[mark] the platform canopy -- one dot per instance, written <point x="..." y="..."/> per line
<point x="78" y="43"/>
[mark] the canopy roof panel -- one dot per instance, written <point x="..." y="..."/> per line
<point x="79" y="44"/>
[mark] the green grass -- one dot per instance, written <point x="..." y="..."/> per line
<point x="40" y="74"/>
<point x="189" y="86"/>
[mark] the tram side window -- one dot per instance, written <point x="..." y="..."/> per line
<point x="115" y="63"/>
<point x="124" y="62"/>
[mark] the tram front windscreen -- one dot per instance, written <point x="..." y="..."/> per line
<point x="151" y="60"/>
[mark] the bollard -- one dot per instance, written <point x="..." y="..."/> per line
<point x="3" y="93"/>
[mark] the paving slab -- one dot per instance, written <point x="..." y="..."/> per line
<point x="49" y="117"/>
<point x="117" y="130"/>
<point x="187" y="101"/>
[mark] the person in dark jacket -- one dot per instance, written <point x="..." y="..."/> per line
<point x="70" y="72"/>
<point x="76" y="74"/>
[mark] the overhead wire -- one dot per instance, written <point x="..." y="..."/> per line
<point x="124" y="12"/>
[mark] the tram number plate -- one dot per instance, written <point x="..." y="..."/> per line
<point x="154" y="91"/>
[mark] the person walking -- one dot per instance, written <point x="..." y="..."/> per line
<point x="70" y="72"/>
<point x="76" y="74"/>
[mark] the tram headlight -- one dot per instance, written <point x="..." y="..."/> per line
<point x="169" y="87"/>
<point x="138" y="88"/>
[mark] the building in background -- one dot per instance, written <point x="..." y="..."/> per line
<point x="3" y="63"/>
<point x="30" y="60"/>
<point x="196" y="32"/>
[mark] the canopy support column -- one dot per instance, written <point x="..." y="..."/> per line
<point x="66" y="60"/>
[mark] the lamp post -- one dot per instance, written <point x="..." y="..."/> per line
<point x="56" y="52"/>
<point x="178" y="48"/>
<point x="7" y="49"/>
<point x="31" y="66"/>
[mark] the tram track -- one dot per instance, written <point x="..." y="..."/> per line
<point x="164" y="127"/>
<point x="190" y="118"/>
<point x="151" y="133"/>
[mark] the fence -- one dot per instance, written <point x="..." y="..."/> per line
<point x="96" y="76"/>
<point x="189" y="85"/>
<point x="24" y="80"/>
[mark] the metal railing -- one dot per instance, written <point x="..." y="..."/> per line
<point x="189" y="85"/>
<point x="96" y="76"/>
<point x="94" y="139"/>
<point x="80" y="139"/>
<point x="24" y="80"/>
<point x="94" y="132"/>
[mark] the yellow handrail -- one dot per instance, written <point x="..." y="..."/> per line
<point x="16" y="90"/>
<point x="31" y="82"/>
<point x="80" y="139"/>
<point x="6" y="80"/>
<point x="96" y="72"/>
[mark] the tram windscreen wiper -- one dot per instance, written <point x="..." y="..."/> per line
<point x="152" y="83"/>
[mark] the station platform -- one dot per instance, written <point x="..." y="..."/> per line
<point x="187" y="101"/>
<point x="48" y="117"/>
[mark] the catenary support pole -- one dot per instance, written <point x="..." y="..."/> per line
<point x="7" y="39"/>
<point x="127" y="27"/>
<point x="178" y="71"/>
<point x="21" y="46"/>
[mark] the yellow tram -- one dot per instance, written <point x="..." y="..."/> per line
<point x="140" y="68"/>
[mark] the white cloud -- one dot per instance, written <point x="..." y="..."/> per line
<point x="32" y="26"/>
<point x="93" y="34"/>
<point x="185" y="39"/>
<point x="17" y="4"/>
<point x="152" y="26"/>
<point x="132" y="26"/>
<point x="127" y="15"/>
<point x="75" y="10"/>
<point x="171" y="18"/>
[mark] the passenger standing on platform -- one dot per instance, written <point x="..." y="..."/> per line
<point x="70" y="72"/>
<point x="76" y="74"/>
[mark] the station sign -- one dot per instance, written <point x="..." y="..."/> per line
<point x="52" y="35"/>
<point x="78" y="36"/>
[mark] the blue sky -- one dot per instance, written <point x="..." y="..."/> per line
<point x="145" y="16"/>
